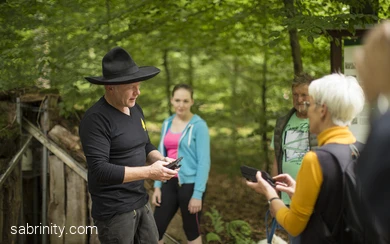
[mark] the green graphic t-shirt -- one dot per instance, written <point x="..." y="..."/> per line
<point x="294" y="147"/>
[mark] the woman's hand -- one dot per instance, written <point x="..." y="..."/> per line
<point x="285" y="183"/>
<point x="156" y="198"/>
<point x="195" y="205"/>
<point x="262" y="186"/>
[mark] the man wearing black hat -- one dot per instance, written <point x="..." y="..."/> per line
<point x="116" y="144"/>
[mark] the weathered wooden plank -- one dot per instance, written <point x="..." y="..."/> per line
<point x="61" y="154"/>
<point x="12" y="203"/>
<point x="76" y="208"/>
<point x="56" y="206"/>
<point x="1" y="215"/>
<point x="93" y="238"/>
<point x="14" y="161"/>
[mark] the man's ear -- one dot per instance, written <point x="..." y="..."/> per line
<point x="109" y="88"/>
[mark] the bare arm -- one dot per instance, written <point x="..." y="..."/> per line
<point x="154" y="171"/>
<point x="154" y="156"/>
<point x="262" y="187"/>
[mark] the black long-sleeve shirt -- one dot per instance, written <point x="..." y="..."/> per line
<point x="112" y="140"/>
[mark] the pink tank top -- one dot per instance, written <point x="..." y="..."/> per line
<point x="171" y="143"/>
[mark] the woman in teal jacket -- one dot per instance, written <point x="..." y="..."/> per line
<point x="186" y="135"/>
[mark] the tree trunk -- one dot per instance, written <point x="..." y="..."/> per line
<point x="263" y="119"/>
<point x="168" y="84"/>
<point x="108" y="13"/>
<point x="294" y="39"/>
<point x="233" y="107"/>
<point x="190" y="69"/>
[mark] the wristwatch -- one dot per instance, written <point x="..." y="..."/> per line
<point x="270" y="200"/>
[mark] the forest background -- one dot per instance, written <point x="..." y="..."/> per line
<point x="239" y="55"/>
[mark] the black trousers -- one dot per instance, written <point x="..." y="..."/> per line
<point x="174" y="196"/>
<point x="137" y="226"/>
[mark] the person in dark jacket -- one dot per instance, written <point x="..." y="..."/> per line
<point x="116" y="144"/>
<point x="334" y="101"/>
<point x="373" y="168"/>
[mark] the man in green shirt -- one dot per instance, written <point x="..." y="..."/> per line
<point x="291" y="138"/>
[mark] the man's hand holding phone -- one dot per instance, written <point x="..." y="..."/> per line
<point x="169" y="165"/>
<point x="174" y="164"/>
<point x="160" y="171"/>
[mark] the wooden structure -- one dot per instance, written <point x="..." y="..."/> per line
<point x="336" y="47"/>
<point x="50" y="172"/>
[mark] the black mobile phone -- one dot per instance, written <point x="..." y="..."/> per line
<point x="174" y="164"/>
<point x="249" y="173"/>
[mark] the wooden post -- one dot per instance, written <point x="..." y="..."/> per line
<point x="76" y="207"/>
<point x="336" y="55"/>
<point x="45" y="126"/>
<point x="2" y="162"/>
<point x="56" y="206"/>
<point x="93" y="238"/>
<point x="12" y="203"/>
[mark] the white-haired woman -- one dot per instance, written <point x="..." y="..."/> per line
<point x="334" y="101"/>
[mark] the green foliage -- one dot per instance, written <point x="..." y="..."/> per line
<point x="216" y="220"/>
<point x="236" y="54"/>
<point x="240" y="231"/>
<point x="211" y="236"/>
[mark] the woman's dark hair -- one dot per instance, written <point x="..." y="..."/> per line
<point x="183" y="86"/>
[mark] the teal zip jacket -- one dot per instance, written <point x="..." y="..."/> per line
<point x="194" y="147"/>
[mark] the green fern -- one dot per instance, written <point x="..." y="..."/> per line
<point x="240" y="230"/>
<point x="213" y="237"/>
<point x="216" y="220"/>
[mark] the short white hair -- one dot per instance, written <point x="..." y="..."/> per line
<point x="342" y="94"/>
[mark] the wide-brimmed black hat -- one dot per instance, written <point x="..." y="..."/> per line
<point x="120" y="68"/>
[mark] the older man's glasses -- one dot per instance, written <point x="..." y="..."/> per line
<point x="306" y="104"/>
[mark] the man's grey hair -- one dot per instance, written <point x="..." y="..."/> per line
<point x="302" y="79"/>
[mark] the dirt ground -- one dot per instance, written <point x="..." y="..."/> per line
<point x="235" y="201"/>
<point x="230" y="196"/>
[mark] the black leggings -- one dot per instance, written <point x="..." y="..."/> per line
<point x="174" y="196"/>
